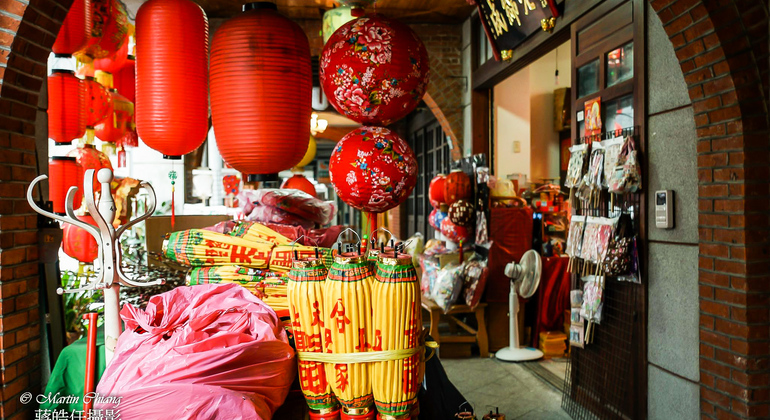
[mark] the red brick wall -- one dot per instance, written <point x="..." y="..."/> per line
<point x="722" y="48"/>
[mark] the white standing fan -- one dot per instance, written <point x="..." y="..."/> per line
<point x="525" y="278"/>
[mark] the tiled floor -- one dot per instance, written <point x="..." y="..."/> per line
<point x="489" y="383"/>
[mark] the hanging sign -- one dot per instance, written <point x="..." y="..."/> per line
<point x="508" y="23"/>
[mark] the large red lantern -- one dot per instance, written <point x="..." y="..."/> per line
<point x="454" y="233"/>
<point x="66" y="107"/>
<point x="374" y="70"/>
<point x="124" y="80"/>
<point x="373" y="169"/>
<point x="457" y="186"/>
<point x="118" y="122"/>
<point x="299" y="182"/>
<point x="109" y="29"/>
<point x="78" y="243"/>
<point x="76" y="29"/>
<point x="436" y="191"/>
<point x="63" y="173"/>
<point x="172" y="106"/>
<point x="261" y="87"/>
<point x="90" y="158"/>
<point x="115" y="62"/>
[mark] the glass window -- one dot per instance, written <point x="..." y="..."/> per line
<point x="620" y="64"/>
<point x="588" y="78"/>
<point x="619" y="114"/>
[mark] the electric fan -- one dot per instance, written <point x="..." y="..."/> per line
<point x="525" y="277"/>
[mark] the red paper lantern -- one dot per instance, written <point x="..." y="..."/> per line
<point x="374" y="70"/>
<point x="261" y="88"/>
<point x="457" y="186"/>
<point x="98" y="105"/>
<point x="66" y="107"/>
<point x="117" y="123"/>
<point x="436" y="191"/>
<point x="299" y="182"/>
<point x="124" y="80"/>
<point x="435" y="218"/>
<point x="461" y="213"/>
<point x="373" y="169"/>
<point x="114" y="62"/>
<point x="109" y="29"/>
<point x="78" y="243"/>
<point x="90" y="158"/>
<point x="76" y="29"/>
<point x="453" y="232"/>
<point x="172" y="106"/>
<point x="63" y="173"/>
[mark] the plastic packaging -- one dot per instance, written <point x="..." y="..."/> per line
<point x="611" y="152"/>
<point x="575" y="238"/>
<point x="270" y="214"/>
<point x="575" y="169"/>
<point x="449" y="284"/>
<point x="295" y="202"/>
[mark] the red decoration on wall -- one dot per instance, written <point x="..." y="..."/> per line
<point x="109" y="29"/>
<point x="78" y="243"/>
<point x="436" y="191"/>
<point x="66" y="107"/>
<point x="299" y="182"/>
<point x="453" y="232"/>
<point x="63" y="173"/>
<point x="172" y="105"/>
<point x="76" y="29"/>
<point x="373" y="169"/>
<point x="374" y="70"/>
<point x="457" y="186"/>
<point x="90" y="158"/>
<point x="117" y="123"/>
<point x="261" y="87"/>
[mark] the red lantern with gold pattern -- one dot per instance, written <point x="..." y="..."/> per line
<point x="172" y="105"/>
<point x="436" y="191"/>
<point x="114" y="62"/>
<point x="76" y="29"/>
<point x="66" y="107"/>
<point x="299" y="182"/>
<point x="261" y="87"/>
<point x="90" y="158"/>
<point x="457" y="186"/>
<point x="454" y="233"/>
<point x="78" y="243"/>
<point x="109" y="29"/>
<point x="98" y="105"/>
<point x="63" y="173"/>
<point x="374" y="70"/>
<point x="117" y="123"/>
<point x="373" y="169"/>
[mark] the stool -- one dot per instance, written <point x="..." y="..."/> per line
<point x="478" y="336"/>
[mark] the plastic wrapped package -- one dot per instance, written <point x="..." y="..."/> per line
<point x="576" y="163"/>
<point x="575" y="238"/>
<point x="596" y="166"/>
<point x="293" y="201"/>
<point x="612" y="149"/>
<point x="475" y="279"/>
<point x="448" y="285"/>
<point x="209" y="351"/>
<point x="430" y="270"/>
<point x="270" y="214"/>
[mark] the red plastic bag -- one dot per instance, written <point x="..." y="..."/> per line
<point x="210" y="351"/>
<point x="324" y="238"/>
<point x="270" y="214"/>
<point x="296" y="202"/>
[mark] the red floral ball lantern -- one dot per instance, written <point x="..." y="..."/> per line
<point x="457" y="186"/>
<point x="299" y="182"/>
<point x="436" y="191"/>
<point x="109" y="29"/>
<point x="261" y="91"/>
<point x="374" y="70"/>
<point x="63" y="173"/>
<point x="373" y="169"/>
<point x="66" y="107"/>
<point x="76" y="29"/>
<point x="461" y="213"/>
<point x="172" y="106"/>
<point x="90" y="158"/>
<point x="78" y="243"/>
<point x="454" y="233"/>
<point x="435" y="218"/>
<point x="112" y="128"/>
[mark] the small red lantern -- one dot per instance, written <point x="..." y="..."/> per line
<point x="108" y="33"/>
<point x="461" y="213"/>
<point x="63" y="173"/>
<point x="453" y="232"/>
<point x="98" y="105"/>
<point x="78" y="243"/>
<point x="112" y="128"/>
<point x="374" y="70"/>
<point x="66" y="107"/>
<point x="172" y="106"/>
<point x="261" y="88"/>
<point x="90" y="158"/>
<point x="436" y="191"/>
<point x="373" y="169"/>
<point x="76" y="29"/>
<point x="299" y="182"/>
<point x="457" y="186"/>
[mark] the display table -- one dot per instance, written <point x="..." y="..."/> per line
<point x="478" y="335"/>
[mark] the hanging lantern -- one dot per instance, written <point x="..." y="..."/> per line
<point x="66" y="107"/>
<point x="436" y="191"/>
<point x="78" y="243"/>
<point x="114" y="62"/>
<point x="98" y="105"/>
<point x="457" y="186"/>
<point x="63" y="173"/>
<point x="435" y="218"/>
<point x="172" y="76"/>
<point x="372" y="169"/>
<point x="76" y="29"/>
<point x="309" y="154"/>
<point x="453" y="232"/>
<point x="261" y="86"/>
<point x="299" y="182"/>
<point x="90" y="158"/>
<point x="117" y="123"/>
<point x="374" y="70"/>
<point x="124" y="80"/>
<point x="334" y="18"/>
<point x="108" y="32"/>
<point x="461" y="213"/>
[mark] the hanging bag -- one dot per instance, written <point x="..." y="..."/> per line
<point x="626" y="177"/>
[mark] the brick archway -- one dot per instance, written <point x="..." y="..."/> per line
<point x="722" y="47"/>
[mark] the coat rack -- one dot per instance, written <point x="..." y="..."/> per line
<point x="108" y="262"/>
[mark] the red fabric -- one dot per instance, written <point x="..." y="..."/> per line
<point x="510" y="230"/>
<point x="552" y="297"/>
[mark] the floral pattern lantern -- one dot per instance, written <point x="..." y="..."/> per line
<point x="299" y="182"/>
<point x="108" y="32"/>
<point x="435" y="218"/>
<point x="90" y="158"/>
<point x="454" y="233"/>
<point x="374" y="70"/>
<point x="436" y="191"/>
<point x="372" y="169"/>
<point x="78" y="243"/>
<point x="461" y="213"/>
<point x="457" y="186"/>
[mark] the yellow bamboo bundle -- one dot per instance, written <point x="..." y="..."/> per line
<point x="198" y="247"/>
<point x="306" y="308"/>
<point x="396" y="323"/>
<point x="347" y="329"/>
<point x="282" y="256"/>
<point x="275" y="293"/>
<point x="253" y="231"/>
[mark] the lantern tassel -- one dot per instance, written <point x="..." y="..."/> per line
<point x="172" y="177"/>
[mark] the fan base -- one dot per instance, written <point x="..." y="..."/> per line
<point x="521" y="354"/>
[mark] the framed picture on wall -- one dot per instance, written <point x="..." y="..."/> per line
<point x="593" y="116"/>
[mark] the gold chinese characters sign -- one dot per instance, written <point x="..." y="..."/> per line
<point x="509" y="22"/>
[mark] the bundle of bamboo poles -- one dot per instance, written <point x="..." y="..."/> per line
<point x="198" y="247"/>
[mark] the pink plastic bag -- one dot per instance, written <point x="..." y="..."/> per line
<point x="270" y="214"/>
<point x="210" y="351"/>
<point x="295" y="202"/>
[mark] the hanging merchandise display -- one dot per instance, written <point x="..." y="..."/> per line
<point x="299" y="182"/>
<point x="461" y="213"/>
<point x="454" y="233"/>
<point x="98" y="105"/>
<point x="76" y="29"/>
<point x="108" y="31"/>
<point x="89" y="158"/>
<point x="457" y="186"/>
<point x="118" y="122"/>
<point x="63" y="173"/>
<point x="374" y="70"/>
<point x="66" y="107"/>
<point x="261" y="88"/>
<point x="172" y="76"/>
<point x="373" y="169"/>
<point x="78" y="243"/>
<point x="436" y="191"/>
<point x="334" y="18"/>
<point x="309" y="154"/>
